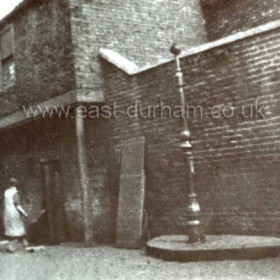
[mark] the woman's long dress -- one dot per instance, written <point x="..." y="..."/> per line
<point x="14" y="225"/>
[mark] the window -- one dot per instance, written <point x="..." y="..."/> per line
<point x="7" y="49"/>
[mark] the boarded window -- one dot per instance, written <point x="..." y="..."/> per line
<point x="8" y="71"/>
<point x="7" y="49"/>
<point x="7" y="43"/>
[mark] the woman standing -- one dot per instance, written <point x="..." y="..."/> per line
<point x="13" y="216"/>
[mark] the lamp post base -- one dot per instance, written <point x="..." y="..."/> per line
<point x="217" y="248"/>
<point x="195" y="234"/>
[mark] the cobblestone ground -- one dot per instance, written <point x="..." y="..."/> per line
<point x="107" y="263"/>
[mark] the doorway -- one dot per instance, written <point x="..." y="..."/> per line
<point x="53" y="200"/>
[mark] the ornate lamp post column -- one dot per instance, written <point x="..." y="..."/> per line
<point x="193" y="209"/>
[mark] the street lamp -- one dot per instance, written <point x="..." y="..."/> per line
<point x="193" y="209"/>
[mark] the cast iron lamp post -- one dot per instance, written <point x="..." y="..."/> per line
<point x="193" y="209"/>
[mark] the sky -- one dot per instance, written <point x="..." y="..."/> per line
<point x="7" y="6"/>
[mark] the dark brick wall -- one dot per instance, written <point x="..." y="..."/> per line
<point x="49" y="37"/>
<point x="43" y="55"/>
<point x="239" y="156"/>
<point x="141" y="31"/>
<point x="225" y="17"/>
<point x="46" y="138"/>
<point x="236" y="159"/>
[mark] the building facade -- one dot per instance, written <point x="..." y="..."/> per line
<point x="75" y="54"/>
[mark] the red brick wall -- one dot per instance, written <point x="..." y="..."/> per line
<point x="141" y="31"/>
<point x="224" y="17"/>
<point x="237" y="159"/>
<point x="43" y="55"/>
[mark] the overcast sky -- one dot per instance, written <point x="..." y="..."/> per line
<point x="6" y="6"/>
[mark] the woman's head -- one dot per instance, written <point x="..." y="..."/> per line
<point x="13" y="182"/>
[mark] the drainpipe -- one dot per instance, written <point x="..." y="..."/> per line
<point x="84" y="177"/>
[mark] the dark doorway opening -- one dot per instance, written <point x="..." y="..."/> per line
<point x="53" y="201"/>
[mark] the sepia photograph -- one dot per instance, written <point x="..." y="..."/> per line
<point x="140" y="140"/>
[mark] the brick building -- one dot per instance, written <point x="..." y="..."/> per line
<point x="72" y="52"/>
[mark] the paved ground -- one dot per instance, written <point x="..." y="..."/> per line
<point x="106" y="263"/>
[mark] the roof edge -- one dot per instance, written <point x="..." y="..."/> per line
<point x="119" y="61"/>
<point x="20" y="6"/>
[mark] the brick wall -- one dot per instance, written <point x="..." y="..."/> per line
<point x="237" y="159"/>
<point x="141" y="31"/>
<point x="43" y="139"/>
<point x="49" y="38"/>
<point x="43" y="55"/>
<point x="224" y="17"/>
<point x="239" y="156"/>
